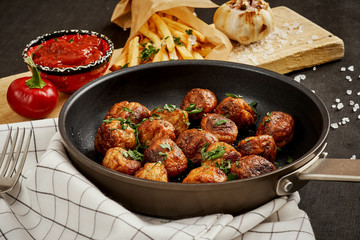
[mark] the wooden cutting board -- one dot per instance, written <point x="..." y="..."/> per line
<point x="296" y="43"/>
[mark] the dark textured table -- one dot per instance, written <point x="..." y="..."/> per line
<point x="333" y="207"/>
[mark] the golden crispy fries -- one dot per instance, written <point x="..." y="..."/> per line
<point x="182" y="27"/>
<point x="134" y="52"/>
<point x="163" y="31"/>
<point x="151" y="35"/>
<point x="163" y="37"/>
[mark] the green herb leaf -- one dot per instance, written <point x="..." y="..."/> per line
<point x="290" y="160"/>
<point x="217" y="123"/>
<point x="163" y="154"/>
<point x="231" y="177"/>
<point x="148" y="52"/>
<point x="189" y="32"/>
<point x="71" y="40"/>
<point x="192" y="108"/>
<point x="169" y="107"/>
<point x="233" y="95"/>
<point x="128" y="110"/>
<point x="218" y="152"/>
<point x="177" y="41"/>
<point x="165" y="146"/>
<point x="253" y="105"/>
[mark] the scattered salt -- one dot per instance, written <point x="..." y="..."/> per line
<point x="314" y="37"/>
<point x="358" y="94"/>
<point x="351" y="68"/>
<point x="337" y="100"/>
<point x="343" y="69"/>
<point x="340" y="106"/>
<point x="335" y="125"/>
<point x="333" y="106"/>
<point x="314" y="68"/>
<point x="348" y="92"/>
<point x="353" y="157"/>
<point x="359" y="116"/>
<point x="300" y="77"/>
<point x="351" y="103"/>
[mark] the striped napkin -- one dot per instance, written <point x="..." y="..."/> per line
<point x="52" y="200"/>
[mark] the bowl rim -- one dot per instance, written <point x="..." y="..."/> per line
<point x="70" y="70"/>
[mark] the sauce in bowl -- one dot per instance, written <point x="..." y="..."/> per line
<point x="70" y="51"/>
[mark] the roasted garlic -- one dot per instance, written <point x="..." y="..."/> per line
<point x="245" y="21"/>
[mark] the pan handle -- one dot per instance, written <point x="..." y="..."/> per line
<point x="324" y="169"/>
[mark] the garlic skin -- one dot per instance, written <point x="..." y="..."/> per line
<point x="245" y="21"/>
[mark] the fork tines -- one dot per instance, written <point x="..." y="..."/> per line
<point x="11" y="168"/>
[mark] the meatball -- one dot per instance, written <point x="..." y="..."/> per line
<point x="114" y="134"/>
<point x="165" y="150"/>
<point x="251" y="166"/>
<point x="154" y="129"/>
<point x="279" y="125"/>
<point x="262" y="145"/>
<point x="205" y="174"/>
<point x="198" y="98"/>
<point x="177" y="117"/>
<point x="117" y="159"/>
<point x="125" y="109"/>
<point x="153" y="171"/>
<point x="192" y="141"/>
<point x="223" y="128"/>
<point x="220" y="154"/>
<point x="237" y="110"/>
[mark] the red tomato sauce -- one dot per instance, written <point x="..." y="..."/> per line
<point x="69" y="51"/>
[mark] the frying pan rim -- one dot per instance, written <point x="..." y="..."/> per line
<point x="154" y="184"/>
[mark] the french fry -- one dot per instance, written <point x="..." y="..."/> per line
<point x="121" y="60"/>
<point x="184" y="52"/>
<point x="151" y="35"/>
<point x="133" y="56"/>
<point x="164" y="31"/>
<point x="182" y="27"/>
<point x="159" y="55"/>
<point x="163" y="37"/>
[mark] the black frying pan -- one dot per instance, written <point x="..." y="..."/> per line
<point x="155" y="84"/>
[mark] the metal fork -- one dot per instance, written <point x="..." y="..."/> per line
<point x="11" y="168"/>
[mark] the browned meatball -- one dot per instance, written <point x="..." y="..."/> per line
<point x="154" y="129"/>
<point x="115" y="159"/>
<point x="153" y="171"/>
<point x="192" y="141"/>
<point x="202" y="98"/>
<point x="165" y="150"/>
<point x="205" y="174"/>
<point x="177" y="117"/>
<point x="237" y="110"/>
<point x="262" y="145"/>
<point x="125" y="109"/>
<point x="279" y="125"/>
<point x="251" y="166"/>
<point x="114" y="134"/>
<point x="223" y="128"/>
<point x="220" y="154"/>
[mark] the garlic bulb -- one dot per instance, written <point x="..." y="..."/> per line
<point x="245" y="21"/>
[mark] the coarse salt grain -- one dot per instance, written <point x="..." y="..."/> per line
<point x="340" y="106"/>
<point x="359" y="116"/>
<point x="337" y="100"/>
<point x="358" y="93"/>
<point x="333" y="106"/>
<point x="348" y="92"/>
<point x="351" y="68"/>
<point x="343" y="69"/>
<point x="335" y="125"/>
<point x="351" y="103"/>
<point x="314" y="68"/>
<point x="353" y="157"/>
<point x="348" y="78"/>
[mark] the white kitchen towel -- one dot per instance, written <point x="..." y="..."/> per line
<point x="52" y="200"/>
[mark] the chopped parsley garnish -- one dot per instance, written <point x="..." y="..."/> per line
<point x="189" y="32"/>
<point x="192" y="108"/>
<point x="169" y="107"/>
<point x="126" y="65"/>
<point x="233" y="95"/>
<point x="218" y="152"/>
<point x="224" y="166"/>
<point x="217" y="123"/>
<point x="290" y="160"/>
<point x="148" y="52"/>
<point x="177" y="41"/>
<point x="253" y="106"/>
<point x="133" y="154"/>
<point x="71" y="40"/>
<point x="269" y="116"/>
<point x="231" y="177"/>
<point x="163" y="154"/>
<point x="128" y="110"/>
<point x="165" y="146"/>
